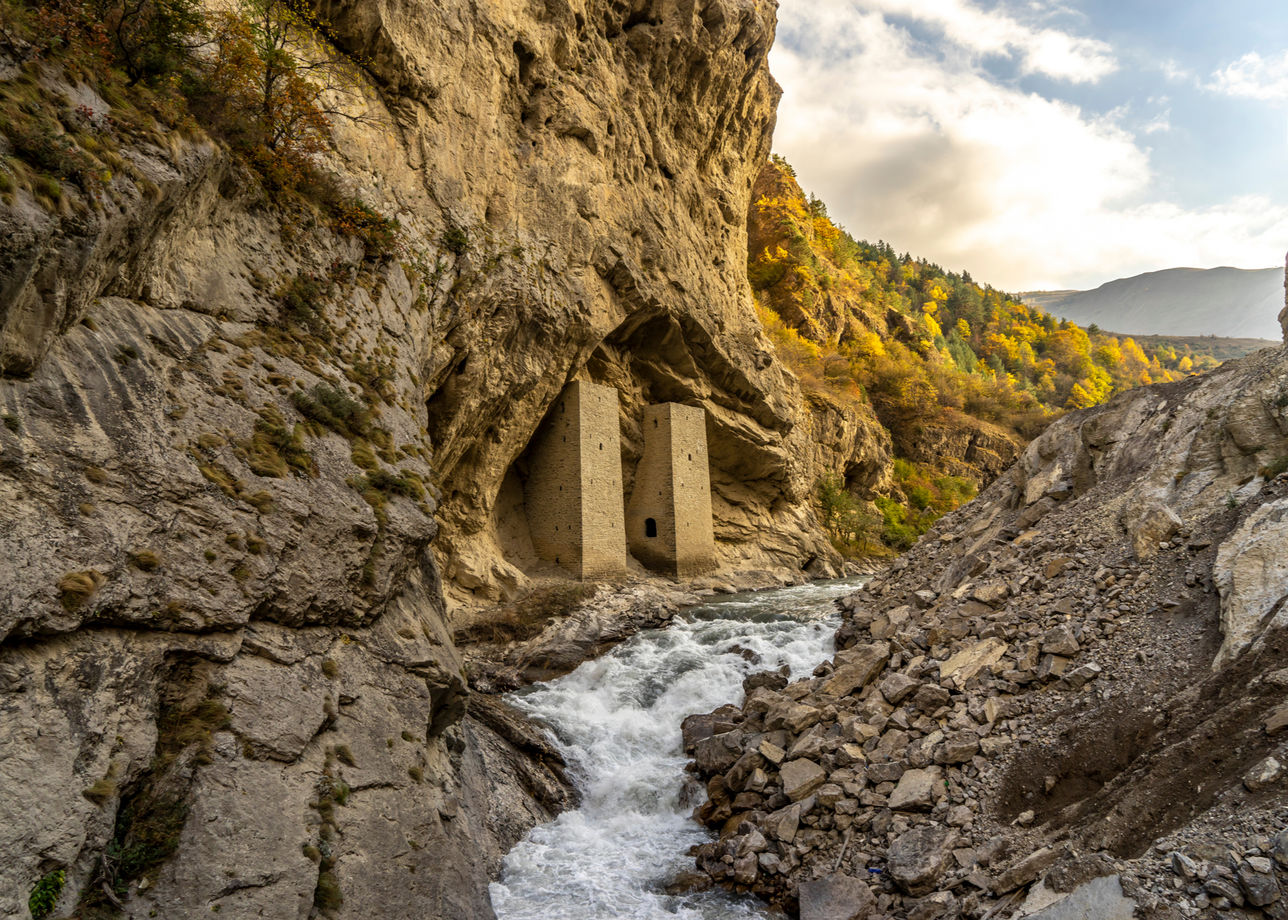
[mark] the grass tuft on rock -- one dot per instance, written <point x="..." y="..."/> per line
<point x="75" y="588"/>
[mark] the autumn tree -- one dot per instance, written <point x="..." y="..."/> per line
<point x="152" y="38"/>
<point x="281" y="82"/>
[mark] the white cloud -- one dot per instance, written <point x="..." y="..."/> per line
<point x="1159" y="124"/>
<point x="1254" y="77"/>
<point x="1046" y="51"/>
<point x="924" y="150"/>
<point x="1175" y="72"/>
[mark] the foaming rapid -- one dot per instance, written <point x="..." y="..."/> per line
<point x="617" y="721"/>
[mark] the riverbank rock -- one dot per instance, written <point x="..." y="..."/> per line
<point x="837" y="897"/>
<point x="1080" y="712"/>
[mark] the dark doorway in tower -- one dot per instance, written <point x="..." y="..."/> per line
<point x="650" y="527"/>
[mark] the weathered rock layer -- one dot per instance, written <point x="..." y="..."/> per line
<point x="239" y="451"/>
<point x="1077" y="676"/>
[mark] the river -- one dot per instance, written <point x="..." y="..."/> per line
<point x="617" y="721"/>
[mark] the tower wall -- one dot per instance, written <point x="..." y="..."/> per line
<point x="603" y="528"/>
<point x="573" y="494"/>
<point x="673" y="491"/>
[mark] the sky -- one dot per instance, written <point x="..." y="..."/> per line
<point x="1043" y="144"/>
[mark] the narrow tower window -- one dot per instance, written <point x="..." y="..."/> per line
<point x="650" y="527"/>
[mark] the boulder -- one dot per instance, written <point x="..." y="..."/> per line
<point x="1101" y="898"/>
<point x="783" y="823"/>
<point x="992" y="593"/>
<point x="836" y="897"/>
<point x="897" y="687"/>
<point x="1264" y="774"/>
<point x="1251" y="571"/>
<point x="1277" y="720"/>
<point x="973" y="659"/>
<point x="1060" y="640"/>
<point x="916" y="790"/>
<point x="1148" y="524"/>
<point x="718" y="753"/>
<point x="772" y="752"/>
<point x="794" y="717"/>
<point x="918" y="857"/>
<point x="1279" y="848"/>
<point x="800" y="778"/>
<point x="1257" y="879"/>
<point x="958" y="747"/>
<point x="856" y="667"/>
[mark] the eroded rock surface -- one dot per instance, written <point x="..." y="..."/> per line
<point x="241" y="454"/>
<point x="1077" y="706"/>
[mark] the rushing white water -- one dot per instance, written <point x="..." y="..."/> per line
<point x="617" y="721"/>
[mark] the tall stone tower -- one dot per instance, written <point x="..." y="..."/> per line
<point x="574" y="489"/>
<point x="668" y="522"/>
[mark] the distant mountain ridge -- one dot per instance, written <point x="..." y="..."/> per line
<point x="1228" y="302"/>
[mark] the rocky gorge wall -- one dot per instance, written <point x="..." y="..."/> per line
<point x="226" y="671"/>
<point x="1066" y="700"/>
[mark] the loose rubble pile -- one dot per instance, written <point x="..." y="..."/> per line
<point x="1035" y="713"/>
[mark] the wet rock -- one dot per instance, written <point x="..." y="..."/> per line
<point x="689" y="882"/>
<point x="918" y="858"/>
<point x="719" y="752"/>
<point x="800" y="778"/>
<point x="770" y="680"/>
<point x="856" y="668"/>
<point x="697" y="728"/>
<point x="836" y="897"/>
<point x="750" y="841"/>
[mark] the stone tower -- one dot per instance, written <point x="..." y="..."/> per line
<point x="574" y="490"/>
<point x="669" y="518"/>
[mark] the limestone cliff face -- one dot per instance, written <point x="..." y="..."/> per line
<point x="226" y="672"/>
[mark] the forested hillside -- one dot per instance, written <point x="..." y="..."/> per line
<point x="961" y="374"/>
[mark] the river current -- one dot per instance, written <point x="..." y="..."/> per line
<point x="617" y="721"/>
